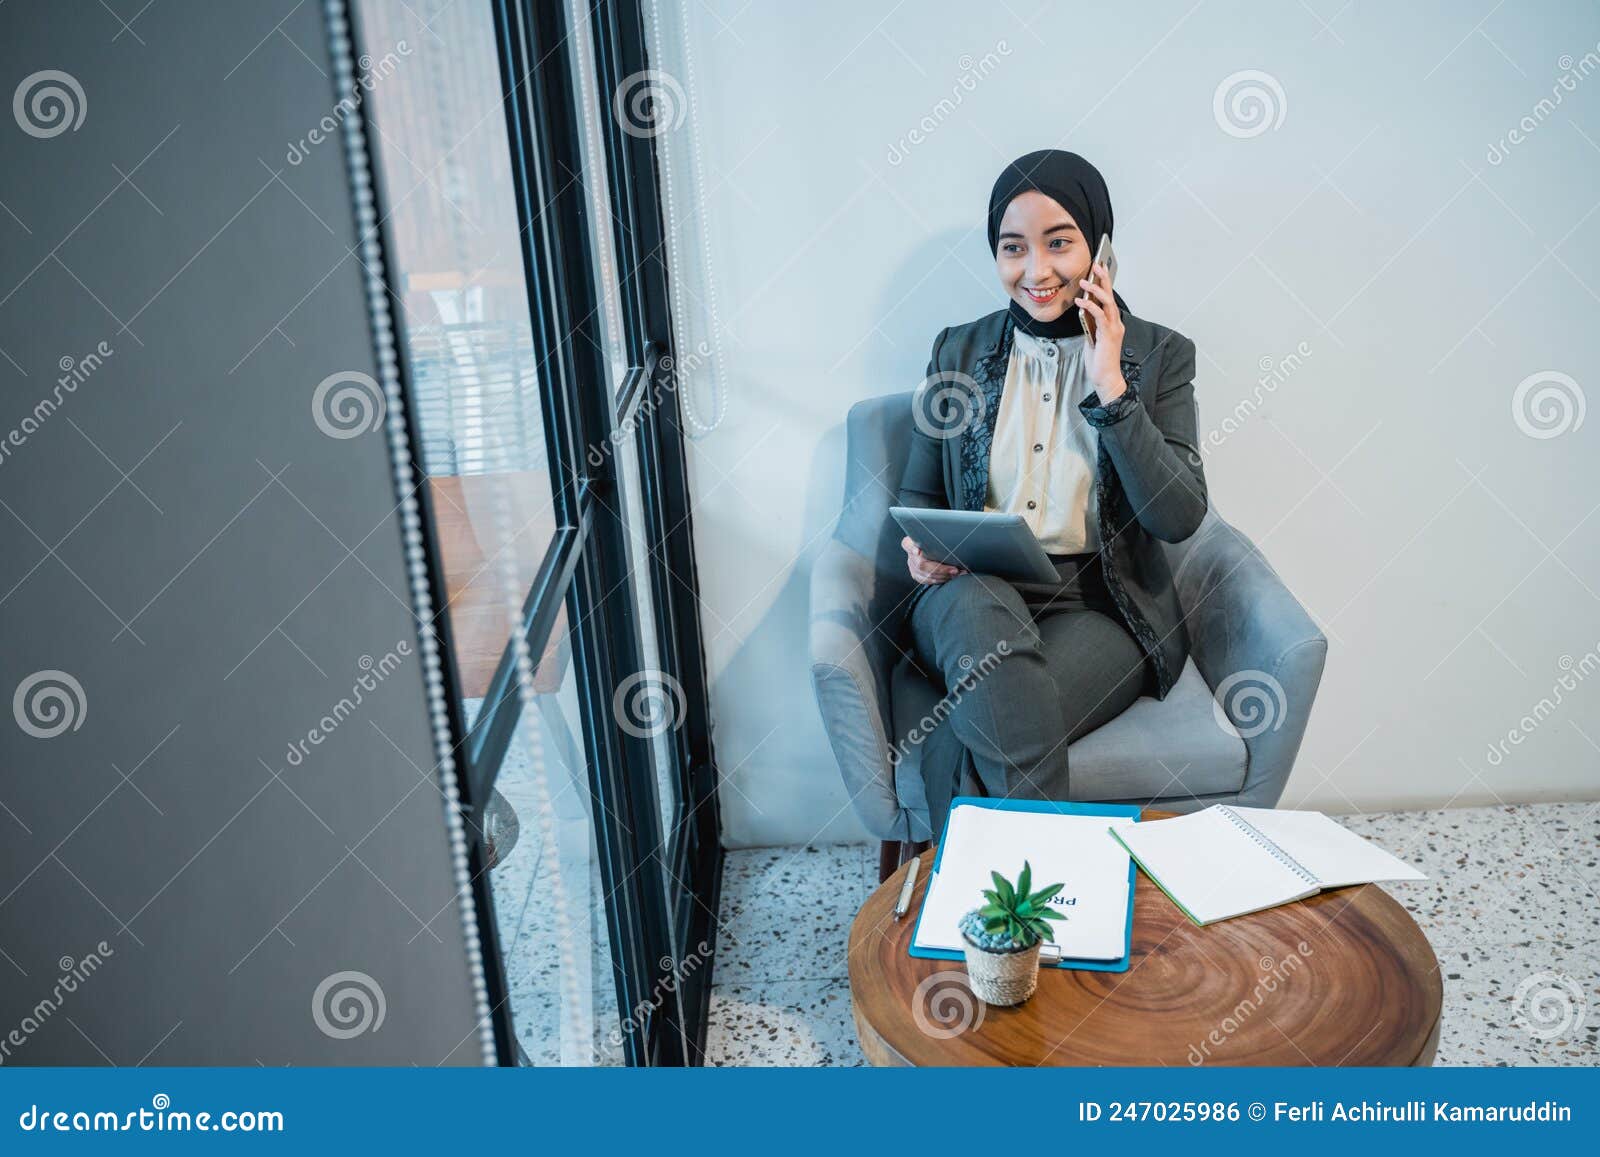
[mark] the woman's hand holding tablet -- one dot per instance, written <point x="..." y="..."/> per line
<point x="949" y="542"/>
<point x="923" y="568"/>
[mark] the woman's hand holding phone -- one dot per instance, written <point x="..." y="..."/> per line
<point x="923" y="568"/>
<point x="1104" y="266"/>
<point x="1104" y="357"/>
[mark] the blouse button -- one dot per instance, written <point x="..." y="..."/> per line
<point x="1032" y="505"/>
<point x="1049" y="351"/>
<point x="1038" y="447"/>
<point x="1047" y="397"/>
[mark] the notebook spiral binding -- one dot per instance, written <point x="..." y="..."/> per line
<point x="1276" y="852"/>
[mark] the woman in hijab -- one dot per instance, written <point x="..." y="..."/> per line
<point x="1091" y="438"/>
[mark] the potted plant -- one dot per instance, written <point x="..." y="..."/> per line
<point x="1003" y="937"/>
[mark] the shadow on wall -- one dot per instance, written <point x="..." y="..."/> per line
<point x="780" y="784"/>
<point x="949" y="280"/>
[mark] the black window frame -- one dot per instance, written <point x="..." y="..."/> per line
<point x="663" y="980"/>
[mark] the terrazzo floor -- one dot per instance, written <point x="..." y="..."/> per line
<point x="1511" y="901"/>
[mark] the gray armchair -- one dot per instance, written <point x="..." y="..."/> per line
<point x="1249" y="639"/>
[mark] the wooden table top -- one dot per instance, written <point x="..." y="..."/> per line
<point x="1343" y="978"/>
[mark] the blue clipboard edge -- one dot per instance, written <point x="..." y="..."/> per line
<point x="1036" y="805"/>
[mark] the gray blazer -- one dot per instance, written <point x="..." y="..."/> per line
<point x="1151" y="484"/>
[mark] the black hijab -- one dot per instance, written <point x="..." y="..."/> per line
<point x="1077" y="187"/>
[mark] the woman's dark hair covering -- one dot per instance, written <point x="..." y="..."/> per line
<point x="1066" y="178"/>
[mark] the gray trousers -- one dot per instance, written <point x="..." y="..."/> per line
<point x="1069" y="666"/>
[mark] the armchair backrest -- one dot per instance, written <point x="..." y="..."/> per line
<point x="878" y="441"/>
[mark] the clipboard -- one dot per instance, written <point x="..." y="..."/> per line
<point x="1031" y="805"/>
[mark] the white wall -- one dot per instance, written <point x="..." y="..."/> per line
<point x="1452" y="559"/>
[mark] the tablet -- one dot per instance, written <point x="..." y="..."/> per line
<point x="984" y="542"/>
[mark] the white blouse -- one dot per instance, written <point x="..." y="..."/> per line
<point x="1042" y="460"/>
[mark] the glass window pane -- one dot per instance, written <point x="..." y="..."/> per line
<point x="597" y="183"/>
<point x="663" y="732"/>
<point x="432" y="80"/>
<point x="549" y="904"/>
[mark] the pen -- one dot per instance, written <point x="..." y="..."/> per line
<point x="904" y="902"/>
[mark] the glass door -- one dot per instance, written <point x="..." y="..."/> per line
<point x="520" y="224"/>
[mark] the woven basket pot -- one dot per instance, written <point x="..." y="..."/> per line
<point x="1002" y="978"/>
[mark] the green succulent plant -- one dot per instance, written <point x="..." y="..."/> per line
<point x="1017" y="913"/>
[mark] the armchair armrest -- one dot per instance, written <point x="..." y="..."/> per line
<point x="852" y="655"/>
<point x="1261" y="654"/>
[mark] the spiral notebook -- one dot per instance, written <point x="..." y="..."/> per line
<point x="1062" y="842"/>
<point x="1228" y="861"/>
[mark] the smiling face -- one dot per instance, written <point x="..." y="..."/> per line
<point x="1042" y="255"/>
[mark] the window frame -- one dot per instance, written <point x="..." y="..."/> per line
<point x="587" y="567"/>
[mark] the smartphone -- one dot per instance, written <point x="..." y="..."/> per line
<point x="1104" y="255"/>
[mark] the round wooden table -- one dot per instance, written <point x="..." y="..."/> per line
<point x="1343" y="978"/>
